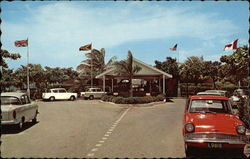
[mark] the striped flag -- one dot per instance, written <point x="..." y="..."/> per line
<point x="231" y="46"/>
<point x="21" y="43"/>
<point x="174" y="48"/>
<point x="86" y="47"/>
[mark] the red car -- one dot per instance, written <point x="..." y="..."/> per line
<point x="209" y="126"/>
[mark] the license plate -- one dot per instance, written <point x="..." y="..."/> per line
<point x="214" y="145"/>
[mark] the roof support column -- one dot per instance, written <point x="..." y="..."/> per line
<point x="163" y="87"/>
<point x="103" y="82"/>
<point x="159" y="84"/>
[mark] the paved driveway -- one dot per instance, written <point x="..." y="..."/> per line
<point x="86" y="128"/>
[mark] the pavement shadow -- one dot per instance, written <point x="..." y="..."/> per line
<point x="169" y="100"/>
<point x="13" y="129"/>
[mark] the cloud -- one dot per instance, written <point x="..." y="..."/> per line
<point x="57" y="30"/>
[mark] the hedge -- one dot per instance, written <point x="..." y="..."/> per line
<point x="132" y="100"/>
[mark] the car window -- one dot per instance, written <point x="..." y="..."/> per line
<point x="62" y="91"/>
<point x="209" y="105"/>
<point x="9" y="101"/>
<point x="54" y="91"/>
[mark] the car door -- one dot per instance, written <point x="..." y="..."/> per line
<point x="26" y="108"/>
<point x="98" y="93"/>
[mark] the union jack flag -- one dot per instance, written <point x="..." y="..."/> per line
<point x="21" y="43"/>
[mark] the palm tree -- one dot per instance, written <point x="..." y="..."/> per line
<point x="95" y="58"/>
<point x="125" y="68"/>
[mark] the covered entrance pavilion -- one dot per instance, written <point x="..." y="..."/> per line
<point x="148" y="80"/>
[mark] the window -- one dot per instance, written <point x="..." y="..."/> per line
<point x="62" y="91"/>
<point x="9" y="101"/>
<point x="25" y="99"/>
<point x="209" y="105"/>
<point x="55" y="91"/>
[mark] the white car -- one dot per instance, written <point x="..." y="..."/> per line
<point x="92" y="93"/>
<point x="59" y="94"/>
<point x="17" y="109"/>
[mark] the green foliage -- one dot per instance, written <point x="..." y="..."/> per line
<point x="244" y="111"/>
<point x="8" y="55"/>
<point x="126" y="68"/>
<point x="132" y="100"/>
<point x="169" y="66"/>
<point x="96" y="58"/>
<point x="236" y="66"/>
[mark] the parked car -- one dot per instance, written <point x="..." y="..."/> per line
<point x="210" y="93"/>
<point x="209" y="125"/>
<point x="17" y="109"/>
<point x="59" y="94"/>
<point x="238" y="94"/>
<point x="92" y="93"/>
<point x="222" y="92"/>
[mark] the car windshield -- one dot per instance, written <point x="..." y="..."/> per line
<point x="209" y="106"/>
<point x="9" y="100"/>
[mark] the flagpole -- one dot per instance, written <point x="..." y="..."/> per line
<point x="28" y="79"/>
<point x="178" y="80"/>
<point x="91" y="67"/>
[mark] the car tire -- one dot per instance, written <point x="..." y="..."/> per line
<point x="21" y="124"/>
<point x="188" y="151"/>
<point x="91" y="97"/>
<point x="35" y="118"/>
<point x="52" y="98"/>
<point x="72" y="98"/>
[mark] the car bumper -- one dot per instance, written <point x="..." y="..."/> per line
<point x="228" y="140"/>
<point x="9" y="122"/>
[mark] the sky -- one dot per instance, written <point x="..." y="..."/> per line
<point x="57" y="29"/>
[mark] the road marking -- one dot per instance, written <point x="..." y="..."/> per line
<point x="94" y="149"/>
<point x="90" y="154"/>
<point x="98" y="145"/>
<point x="109" y="132"/>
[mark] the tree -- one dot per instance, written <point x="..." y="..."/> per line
<point x="236" y="66"/>
<point x="211" y="70"/>
<point x="191" y="71"/>
<point x="126" y="68"/>
<point x="169" y="66"/>
<point x="6" y="80"/>
<point x="95" y="58"/>
<point x="6" y="54"/>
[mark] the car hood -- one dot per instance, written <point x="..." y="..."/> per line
<point x="214" y="122"/>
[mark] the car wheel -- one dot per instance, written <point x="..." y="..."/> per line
<point x="52" y="98"/>
<point x="21" y="124"/>
<point x="91" y="97"/>
<point x="72" y="98"/>
<point x="188" y="151"/>
<point x="35" y="118"/>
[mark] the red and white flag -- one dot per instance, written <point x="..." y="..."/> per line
<point x="174" y="48"/>
<point x="231" y="46"/>
<point x="21" y="43"/>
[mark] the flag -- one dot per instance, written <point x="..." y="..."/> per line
<point x="174" y="48"/>
<point x="21" y="43"/>
<point x="86" y="47"/>
<point x="231" y="46"/>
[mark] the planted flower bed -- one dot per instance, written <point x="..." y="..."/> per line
<point x="132" y="100"/>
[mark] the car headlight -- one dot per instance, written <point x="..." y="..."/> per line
<point x="241" y="129"/>
<point x="189" y="127"/>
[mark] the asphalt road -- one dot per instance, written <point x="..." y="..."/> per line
<point x="86" y="128"/>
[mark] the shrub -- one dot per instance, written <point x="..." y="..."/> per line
<point x="132" y="100"/>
